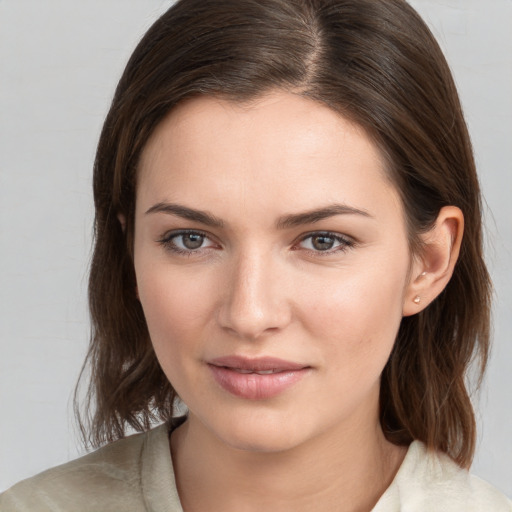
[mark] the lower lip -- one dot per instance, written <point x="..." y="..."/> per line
<point x="254" y="386"/>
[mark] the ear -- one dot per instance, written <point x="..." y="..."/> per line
<point x="122" y="220"/>
<point x="433" y="268"/>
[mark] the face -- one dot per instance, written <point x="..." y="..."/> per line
<point x="272" y="262"/>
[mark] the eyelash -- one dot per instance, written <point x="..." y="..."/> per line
<point x="345" y="243"/>
<point x="167" y="242"/>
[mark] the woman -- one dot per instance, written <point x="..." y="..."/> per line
<point x="288" y="239"/>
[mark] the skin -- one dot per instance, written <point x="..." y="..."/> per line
<point x="254" y="289"/>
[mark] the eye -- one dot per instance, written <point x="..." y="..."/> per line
<point x="325" y="242"/>
<point x="186" y="242"/>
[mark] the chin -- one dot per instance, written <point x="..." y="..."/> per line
<point x="261" y="442"/>
<point x="263" y="433"/>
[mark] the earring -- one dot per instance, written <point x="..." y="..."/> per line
<point x="417" y="299"/>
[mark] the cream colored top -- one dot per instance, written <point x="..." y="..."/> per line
<point x="135" y="474"/>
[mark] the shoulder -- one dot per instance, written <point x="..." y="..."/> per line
<point x="430" y="481"/>
<point x="108" y="479"/>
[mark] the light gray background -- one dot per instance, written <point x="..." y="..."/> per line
<point x="59" y="63"/>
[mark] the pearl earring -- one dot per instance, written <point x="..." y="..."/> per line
<point x="417" y="299"/>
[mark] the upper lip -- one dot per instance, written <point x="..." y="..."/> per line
<point x="257" y="364"/>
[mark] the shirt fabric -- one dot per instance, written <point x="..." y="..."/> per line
<point x="135" y="474"/>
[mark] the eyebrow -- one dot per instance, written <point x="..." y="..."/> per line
<point x="203" y="217"/>
<point x="312" y="216"/>
<point x="284" y="222"/>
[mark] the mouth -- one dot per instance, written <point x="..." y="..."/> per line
<point x="259" y="372"/>
<point x="256" y="379"/>
<point x="263" y="365"/>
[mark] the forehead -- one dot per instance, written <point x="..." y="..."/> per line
<point x="281" y="149"/>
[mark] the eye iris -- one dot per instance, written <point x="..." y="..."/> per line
<point x="192" y="240"/>
<point x="323" y="242"/>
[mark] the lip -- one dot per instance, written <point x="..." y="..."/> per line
<point x="238" y="375"/>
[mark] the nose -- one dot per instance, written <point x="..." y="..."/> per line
<point x="256" y="299"/>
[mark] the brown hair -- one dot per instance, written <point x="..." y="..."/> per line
<point x="376" y="63"/>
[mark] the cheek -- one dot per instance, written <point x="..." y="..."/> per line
<point x="176" y="305"/>
<point x="176" y="309"/>
<point x="356" y="316"/>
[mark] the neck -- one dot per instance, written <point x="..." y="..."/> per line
<point x="343" y="469"/>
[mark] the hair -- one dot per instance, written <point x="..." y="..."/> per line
<point x="376" y="63"/>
